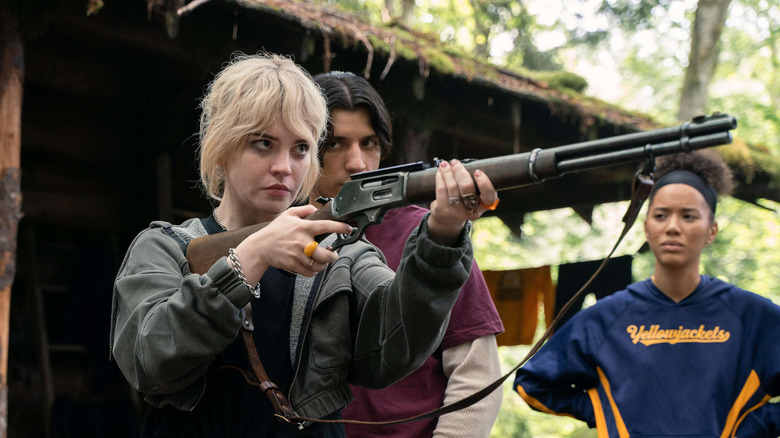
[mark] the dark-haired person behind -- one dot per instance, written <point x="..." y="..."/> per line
<point x="345" y="317"/>
<point x="677" y="355"/>
<point x="359" y="135"/>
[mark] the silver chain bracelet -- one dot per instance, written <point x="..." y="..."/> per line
<point x="233" y="257"/>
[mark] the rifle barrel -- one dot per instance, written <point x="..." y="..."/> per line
<point x="695" y="128"/>
<point x="518" y="170"/>
<point x="640" y="152"/>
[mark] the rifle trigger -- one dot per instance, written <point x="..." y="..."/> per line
<point x="370" y="217"/>
<point x="346" y="239"/>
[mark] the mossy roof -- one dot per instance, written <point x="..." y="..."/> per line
<point x="394" y="41"/>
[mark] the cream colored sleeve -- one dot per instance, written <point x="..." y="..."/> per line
<point x="469" y="368"/>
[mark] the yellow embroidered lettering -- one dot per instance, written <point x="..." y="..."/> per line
<point x="656" y="335"/>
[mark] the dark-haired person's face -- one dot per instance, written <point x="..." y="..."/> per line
<point x="353" y="148"/>
<point x="678" y="226"/>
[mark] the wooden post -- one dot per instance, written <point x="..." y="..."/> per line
<point x="11" y="79"/>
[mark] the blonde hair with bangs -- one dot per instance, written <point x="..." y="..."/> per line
<point x="246" y="97"/>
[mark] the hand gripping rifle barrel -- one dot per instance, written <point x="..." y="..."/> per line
<point x="364" y="199"/>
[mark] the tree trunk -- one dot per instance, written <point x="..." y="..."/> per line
<point x="705" y="50"/>
<point x="11" y="74"/>
<point x="407" y="12"/>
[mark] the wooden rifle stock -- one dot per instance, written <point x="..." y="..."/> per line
<point x="368" y="195"/>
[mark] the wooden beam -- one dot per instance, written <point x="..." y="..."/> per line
<point x="11" y="80"/>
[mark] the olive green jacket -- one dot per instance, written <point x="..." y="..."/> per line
<point x="355" y="322"/>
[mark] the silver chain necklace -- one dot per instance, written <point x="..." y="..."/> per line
<point x="219" y="222"/>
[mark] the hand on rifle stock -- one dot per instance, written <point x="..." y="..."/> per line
<point x="280" y="243"/>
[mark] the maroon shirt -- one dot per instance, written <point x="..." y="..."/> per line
<point x="473" y="316"/>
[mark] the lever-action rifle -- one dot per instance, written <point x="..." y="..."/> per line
<point x="367" y="196"/>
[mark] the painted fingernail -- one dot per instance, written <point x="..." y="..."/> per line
<point x="443" y="164"/>
<point x="478" y="172"/>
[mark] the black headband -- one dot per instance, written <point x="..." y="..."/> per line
<point x="691" y="179"/>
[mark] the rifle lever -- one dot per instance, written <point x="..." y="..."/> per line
<point x="362" y="221"/>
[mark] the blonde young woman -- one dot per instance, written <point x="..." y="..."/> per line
<point x="341" y="318"/>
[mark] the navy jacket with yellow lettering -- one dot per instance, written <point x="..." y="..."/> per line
<point x="638" y="364"/>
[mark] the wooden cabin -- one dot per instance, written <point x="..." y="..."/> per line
<point x="109" y="123"/>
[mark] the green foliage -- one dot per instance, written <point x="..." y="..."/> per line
<point x="632" y="14"/>
<point x="650" y="42"/>
<point x="749" y="86"/>
<point x="368" y="10"/>
<point x="745" y="252"/>
<point x="746" y="83"/>
<point x="660" y="85"/>
<point x="553" y="237"/>
<point x="512" y="422"/>
<point x="517" y="420"/>
<point x="758" y="122"/>
<point x="475" y="26"/>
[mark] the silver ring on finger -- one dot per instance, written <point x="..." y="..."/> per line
<point x="454" y="200"/>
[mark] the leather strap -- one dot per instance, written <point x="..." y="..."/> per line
<point x="641" y="188"/>
<point x="282" y="407"/>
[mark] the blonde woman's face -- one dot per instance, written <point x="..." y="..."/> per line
<point x="263" y="177"/>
